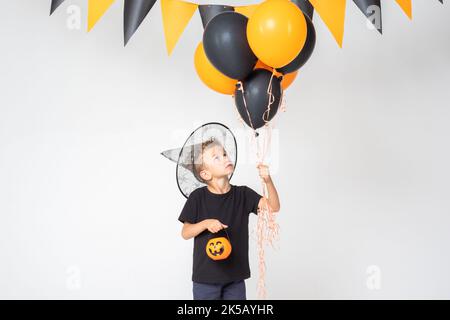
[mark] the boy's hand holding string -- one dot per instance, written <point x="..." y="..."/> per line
<point x="272" y="194"/>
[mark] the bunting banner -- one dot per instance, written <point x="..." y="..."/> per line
<point x="406" y="5"/>
<point x="174" y="24"/>
<point x="371" y="8"/>
<point x="332" y="13"/>
<point x="177" y="14"/>
<point x="55" y="4"/>
<point x="96" y="9"/>
<point x="207" y="12"/>
<point x="134" y="13"/>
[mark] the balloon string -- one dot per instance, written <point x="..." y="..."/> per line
<point x="267" y="228"/>
<point x="283" y="104"/>
<point x="266" y="113"/>
<point x="241" y="88"/>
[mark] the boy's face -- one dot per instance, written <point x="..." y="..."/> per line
<point x="216" y="163"/>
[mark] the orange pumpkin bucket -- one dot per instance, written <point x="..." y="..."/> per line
<point x="219" y="248"/>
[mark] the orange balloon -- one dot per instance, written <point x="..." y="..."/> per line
<point x="276" y="32"/>
<point x="210" y="76"/>
<point x="287" y="78"/>
<point x="262" y="65"/>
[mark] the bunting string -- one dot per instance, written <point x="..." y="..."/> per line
<point x="176" y="14"/>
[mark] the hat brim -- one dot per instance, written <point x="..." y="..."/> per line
<point x="186" y="179"/>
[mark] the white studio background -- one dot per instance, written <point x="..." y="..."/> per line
<point x="89" y="207"/>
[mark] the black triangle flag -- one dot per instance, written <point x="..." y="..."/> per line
<point x="305" y="6"/>
<point x="134" y="13"/>
<point x="209" y="11"/>
<point x="367" y="7"/>
<point x="55" y="4"/>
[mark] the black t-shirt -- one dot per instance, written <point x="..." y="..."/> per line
<point x="232" y="209"/>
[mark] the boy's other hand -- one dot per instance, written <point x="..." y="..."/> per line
<point x="214" y="225"/>
<point x="263" y="171"/>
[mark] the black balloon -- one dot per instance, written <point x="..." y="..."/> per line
<point x="306" y="51"/>
<point x="226" y="46"/>
<point x="257" y="99"/>
<point x="306" y="7"/>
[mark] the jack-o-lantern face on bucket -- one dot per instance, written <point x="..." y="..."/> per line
<point x="218" y="248"/>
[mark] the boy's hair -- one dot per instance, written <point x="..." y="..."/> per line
<point x="198" y="163"/>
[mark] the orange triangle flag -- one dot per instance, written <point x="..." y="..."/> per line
<point x="96" y="9"/>
<point x="176" y="15"/>
<point x="406" y="6"/>
<point x="332" y="13"/>
<point x="246" y="10"/>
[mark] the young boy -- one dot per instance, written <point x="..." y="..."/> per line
<point x="217" y="206"/>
